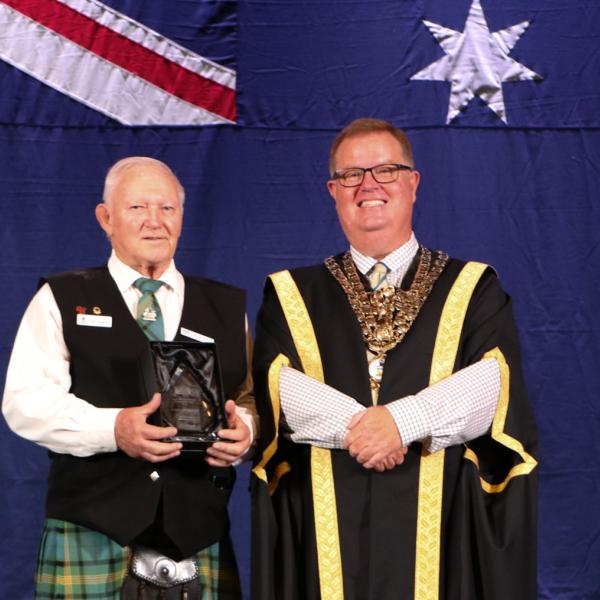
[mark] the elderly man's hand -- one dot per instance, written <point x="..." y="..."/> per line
<point x="223" y="454"/>
<point x="139" y="439"/>
<point x="373" y="439"/>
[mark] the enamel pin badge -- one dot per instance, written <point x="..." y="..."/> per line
<point x="149" y="315"/>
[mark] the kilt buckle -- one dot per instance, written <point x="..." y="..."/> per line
<point x="151" y="566"/>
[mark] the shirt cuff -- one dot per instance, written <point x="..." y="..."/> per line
<point x="101" y="438"/>
<point x="410" y="418"/>
<point x="316" y="413"/>
<point x="244" y="414"/>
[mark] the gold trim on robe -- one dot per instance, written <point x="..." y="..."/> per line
<point x="431" y="474"/>
<point x="529" y="463"/>
<point x="260" y="469"/>
<point x="323" y="487"/>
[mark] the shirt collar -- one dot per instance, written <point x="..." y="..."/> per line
<point x="124" y="275"/>
<point x="397" y="261"/>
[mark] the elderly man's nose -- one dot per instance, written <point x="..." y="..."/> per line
<point x="153" y="215"/>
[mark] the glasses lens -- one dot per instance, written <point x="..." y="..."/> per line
<point x="385" y="173"/>
<point x="351" y="177"/>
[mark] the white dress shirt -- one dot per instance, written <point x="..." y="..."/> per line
<point x="37" y="404"/>
<point x="452" y="411"/>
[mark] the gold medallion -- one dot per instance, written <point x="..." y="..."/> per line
<point x="386" y="315"/>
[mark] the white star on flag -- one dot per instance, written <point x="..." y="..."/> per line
<point x="476" y="62"/>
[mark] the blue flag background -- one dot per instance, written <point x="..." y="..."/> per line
<point x="520" y="195"/>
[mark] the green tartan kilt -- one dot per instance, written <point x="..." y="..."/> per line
<point x="75" y="563"/>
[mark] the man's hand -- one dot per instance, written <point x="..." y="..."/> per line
<point x="391" y="460"/>
<point x="223" y="454"/>
<point x="373" y="439"/>
<point x="139" y="439"/>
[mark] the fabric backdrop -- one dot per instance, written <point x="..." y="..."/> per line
<point x="502" y="102"/>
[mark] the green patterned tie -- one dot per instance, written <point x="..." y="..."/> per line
<point x="149" y="316"/>
<point x="377" y="275"/>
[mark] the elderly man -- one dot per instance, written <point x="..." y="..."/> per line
<point x="397" y="453"/>
<point x="75" y="385"/>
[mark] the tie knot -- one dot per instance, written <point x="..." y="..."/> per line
<point x="380" y="268"/>
<point x="377" y="275"/>
<point x="145" y="285"/>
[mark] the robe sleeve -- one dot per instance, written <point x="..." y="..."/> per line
<point x="492" y="525"/>
<point x="273" y="349"/>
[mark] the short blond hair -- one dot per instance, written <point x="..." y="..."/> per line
<point x="123" y="165"/>
<point x="365" y="126"/>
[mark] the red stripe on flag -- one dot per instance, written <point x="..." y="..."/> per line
<point x="129" y="55"/>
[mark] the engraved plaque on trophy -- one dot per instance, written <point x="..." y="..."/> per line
<point x="189" y="381"/>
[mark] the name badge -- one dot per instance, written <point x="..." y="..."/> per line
<point x="94" y="320"/>
<point x="196" y="336"/>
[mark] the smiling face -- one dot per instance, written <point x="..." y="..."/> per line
<point x="376" y="217"/>
<point x="143" y="218"/>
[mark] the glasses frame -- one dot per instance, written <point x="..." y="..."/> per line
<point x="338" y="175"/>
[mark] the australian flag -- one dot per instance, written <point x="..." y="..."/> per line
<point x="242" y="99"/>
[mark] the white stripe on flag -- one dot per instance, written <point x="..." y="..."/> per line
<point x="84" y="76"/>
<point x="150" y="39"/>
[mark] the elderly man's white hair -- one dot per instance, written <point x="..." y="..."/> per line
<point x="120" y="167"/>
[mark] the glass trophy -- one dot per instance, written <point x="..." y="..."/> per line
<point x="189" y="380"/>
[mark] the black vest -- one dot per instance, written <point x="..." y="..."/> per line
<point x="113" y="493"/>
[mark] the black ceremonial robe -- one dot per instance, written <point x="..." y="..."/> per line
<point x="458" y="524"/>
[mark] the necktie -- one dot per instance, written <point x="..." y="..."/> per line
<point x="149" y="315"/>
<point x="377" y="275"/>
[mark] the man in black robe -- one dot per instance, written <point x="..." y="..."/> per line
<point x="397" y="457"/>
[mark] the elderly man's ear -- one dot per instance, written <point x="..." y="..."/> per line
<point x="103" y="216"/>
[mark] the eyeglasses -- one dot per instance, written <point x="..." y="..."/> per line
<point x="354" y="176"/>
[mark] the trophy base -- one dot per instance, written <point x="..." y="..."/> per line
<point x="194" y="443"/>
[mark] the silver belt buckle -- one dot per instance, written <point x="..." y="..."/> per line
<point x="151" y="566"/>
